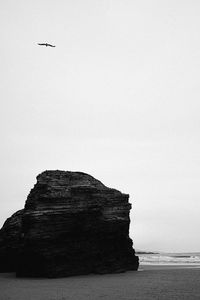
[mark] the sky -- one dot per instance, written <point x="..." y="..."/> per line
<point x="117" y="98"/>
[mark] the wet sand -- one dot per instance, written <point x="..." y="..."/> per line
<point x="151" y="282"/>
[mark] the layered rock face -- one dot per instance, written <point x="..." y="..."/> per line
<point x="10" y="242"/>
<point x="73" y="224"/>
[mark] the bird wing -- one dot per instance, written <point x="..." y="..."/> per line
<point x="41" y="44"/>
<point x="50" y="45"/>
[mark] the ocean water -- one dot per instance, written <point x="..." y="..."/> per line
<point x="190" y="258"/>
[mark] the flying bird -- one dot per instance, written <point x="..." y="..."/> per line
<point x="45" y="44"/>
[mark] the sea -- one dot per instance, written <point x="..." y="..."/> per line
<point x="187" y="258"/>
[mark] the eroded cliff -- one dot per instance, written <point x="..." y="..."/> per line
<point x="73" y="224"/>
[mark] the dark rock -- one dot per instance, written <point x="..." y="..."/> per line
<point x="10" y="242"/>
<point x="73" y="224"/>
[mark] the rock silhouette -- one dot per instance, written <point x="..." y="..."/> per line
<point x="72" y="224"/>
<point x="10" y="242"/>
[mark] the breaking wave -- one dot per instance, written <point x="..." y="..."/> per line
<point x="170" y="258"/>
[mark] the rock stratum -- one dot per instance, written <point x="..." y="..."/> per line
<point x="71" y="224"/>
<point x="10" y="242"/>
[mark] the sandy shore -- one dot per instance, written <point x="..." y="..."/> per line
<point x="150" y="282"/>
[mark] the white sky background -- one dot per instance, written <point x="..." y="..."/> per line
<point x="118" y="98"/>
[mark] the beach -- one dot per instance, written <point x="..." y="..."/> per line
<point x="150" y="282"/>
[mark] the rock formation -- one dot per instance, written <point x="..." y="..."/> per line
<point x="10" y="242"/>
<point x="71" y="224"/>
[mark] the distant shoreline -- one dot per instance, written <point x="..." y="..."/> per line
<point x="145" y="252"/>
<point x="151" y="266"/>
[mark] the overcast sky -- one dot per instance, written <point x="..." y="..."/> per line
<point x="118" y="98"/>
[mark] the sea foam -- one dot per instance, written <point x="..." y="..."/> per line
<point x="171" y="258"/>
